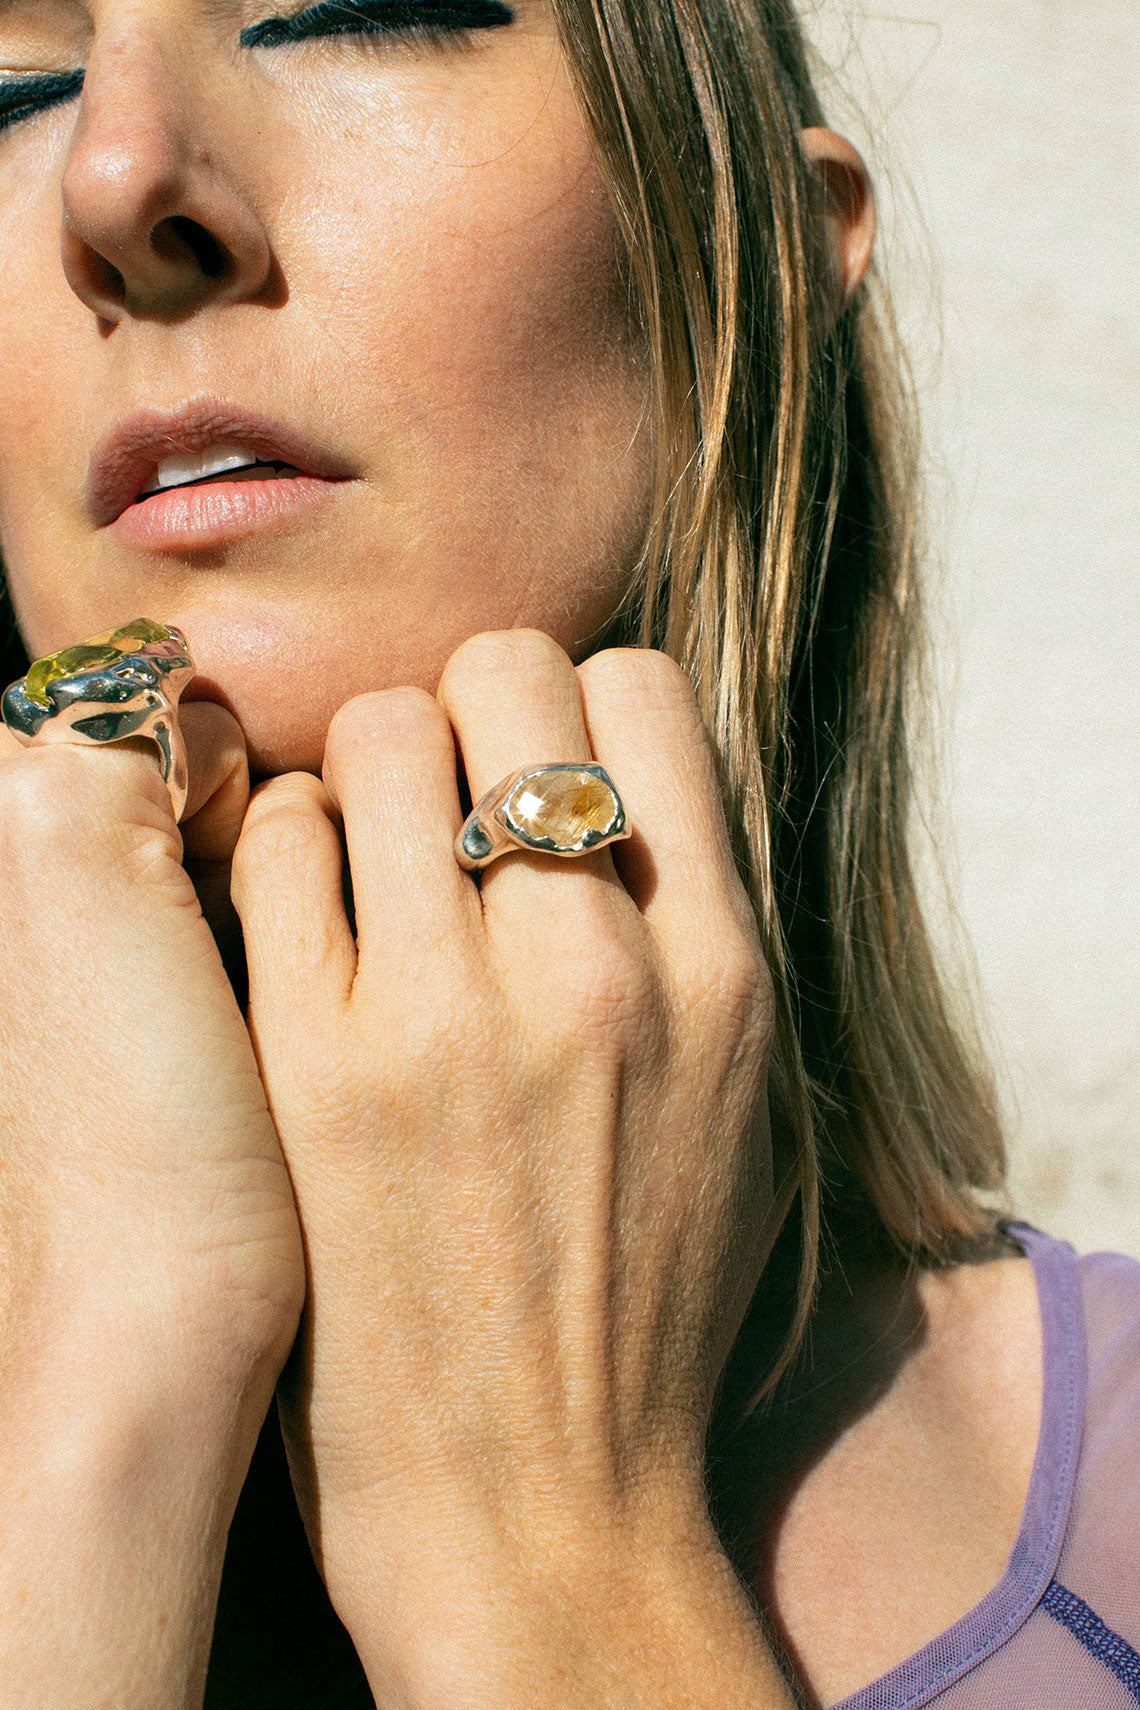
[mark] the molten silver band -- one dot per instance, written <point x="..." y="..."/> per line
<point x="569" y="808"/>
<point x="124" y="682"/>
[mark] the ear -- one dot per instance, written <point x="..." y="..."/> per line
<point x="849" y="203"/>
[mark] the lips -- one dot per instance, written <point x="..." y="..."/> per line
<point x="124" y="463"/>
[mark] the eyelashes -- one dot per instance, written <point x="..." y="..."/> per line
<point x="23" y="97"/>
<point x="377" y="17"/>
<point x="20" y="97"/>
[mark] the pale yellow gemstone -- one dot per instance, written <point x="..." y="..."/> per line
<point x="566" y="807"/>
<point x="101" y="649"/>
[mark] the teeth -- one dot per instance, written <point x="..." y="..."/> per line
<point x="195" y="466"/>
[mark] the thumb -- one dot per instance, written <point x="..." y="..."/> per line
<point x="218" y="783"/>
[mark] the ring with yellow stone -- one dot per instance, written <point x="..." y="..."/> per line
<point x="567" y="808"/>
<point x="124" y="682"/>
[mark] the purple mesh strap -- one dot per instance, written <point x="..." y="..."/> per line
<point x="1037" y="1547"/>
<point x="1110" y="1650"/>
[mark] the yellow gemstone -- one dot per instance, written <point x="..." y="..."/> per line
<point x="62" y="664"/>
<point x="142" y="629"/>
<point x="101" y="649"/>
<point x="569" y="808"/>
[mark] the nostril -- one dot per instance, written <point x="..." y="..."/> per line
<point x="177" y="237"/>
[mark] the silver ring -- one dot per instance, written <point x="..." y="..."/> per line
<point x="123" y="682"/>
<point x="568" y="808"/>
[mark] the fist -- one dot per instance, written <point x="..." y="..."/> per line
<point x="147" y="1222"/>
<point x="525" y="1119"/>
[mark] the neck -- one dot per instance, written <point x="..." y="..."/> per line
<point x="866" y="1322"/>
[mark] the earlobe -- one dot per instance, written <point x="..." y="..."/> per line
<point x="849" y="203"/>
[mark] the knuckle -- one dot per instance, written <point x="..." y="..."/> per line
<point x="641" y="672"/>
<point x="606" y="988"/>
<point x="316" y="1083"/>
<point x="617" y="998"/>
<point x="424" y="1046"/>
<point x="382" y="1085"/>
<point x="385" y="717"/>
<point x="280" y="821"/>
<point x="528" y="657"/>
<point x="55" y="802"/>
<point x="741" y="986"/>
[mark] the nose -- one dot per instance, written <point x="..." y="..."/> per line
<point x="154" y="226"/>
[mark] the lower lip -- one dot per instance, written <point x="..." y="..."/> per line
<point x="189" y="518"/>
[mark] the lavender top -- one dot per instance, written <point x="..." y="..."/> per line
<point x="1061" y="1628"/>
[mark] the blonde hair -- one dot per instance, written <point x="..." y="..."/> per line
<point x="781" y="572"/>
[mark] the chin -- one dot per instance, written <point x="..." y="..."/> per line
<point x="284" y="722"/>
<point x="283" y="738"/>
<point x="282" y="675"/>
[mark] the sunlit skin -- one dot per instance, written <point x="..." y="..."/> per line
<point x="425" y="281"/>
<point x="503" y="1109"/>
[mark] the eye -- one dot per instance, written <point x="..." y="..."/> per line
<point x="378" y="18"/>
<point x="28" y="93"/>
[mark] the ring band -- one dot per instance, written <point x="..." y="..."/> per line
<point x="569" y="808"/>
<point x="123" y="682"/>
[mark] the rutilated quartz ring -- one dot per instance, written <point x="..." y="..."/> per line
<point x="569" y="808"/>
<point x="123" y="682"/>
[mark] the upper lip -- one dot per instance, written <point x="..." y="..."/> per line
<point x="127" y="457"/>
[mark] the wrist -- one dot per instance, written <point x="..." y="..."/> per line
<point x="114" y="1508"/>
<point x="109" y="1393"/>
<point x="137" y="1322"/>
<point x="617" y="1618"/>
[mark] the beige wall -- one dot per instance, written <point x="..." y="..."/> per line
<point x="1018" y="124"/>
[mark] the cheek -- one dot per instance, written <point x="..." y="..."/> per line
<point x="49" y="411"/>
<point x="449" y="250"/>
<point x="485" y="317"/>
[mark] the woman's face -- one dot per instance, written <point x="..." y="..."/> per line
<point x="385" y="259"/>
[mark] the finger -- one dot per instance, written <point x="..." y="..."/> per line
<point x="286" y="886"/>
<point x="646" y="730"/>
<point x="513" y="700"/>
<point x="218" y="785"/>
<point x="218" y="775"/>
<point x="390" y="766"/>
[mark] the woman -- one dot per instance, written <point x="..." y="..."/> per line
<point x="483" y="388"/>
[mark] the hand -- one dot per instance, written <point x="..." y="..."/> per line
<point x="526" y="1127"/>
<point x="141" y="1164"/>
<point x="150" y="1259"/>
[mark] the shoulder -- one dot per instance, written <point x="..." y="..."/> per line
<point x="1102" y="1292"/>
<point x="1110" y="1308"/>
<point x="1099" y="1562"/>
<point x="1110" y="1297"/>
